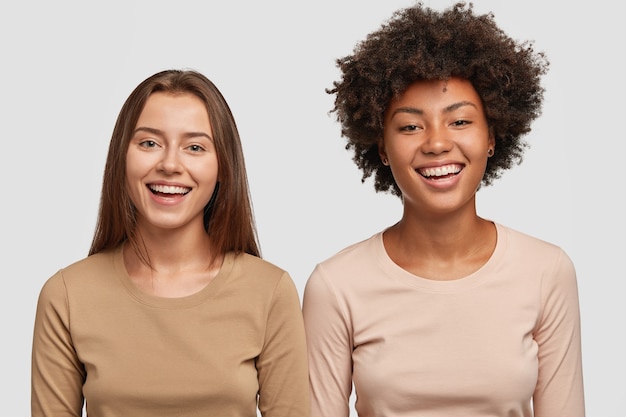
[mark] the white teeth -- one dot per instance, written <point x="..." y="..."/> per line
<point x="440" y="171"/>
<point x="169" y="189"/>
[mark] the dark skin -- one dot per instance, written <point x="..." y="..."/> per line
<point x="436" y="141"/>
<point x="447" y="251"/>
<point x="419" y="43"/>
<point x="473" y="144"/>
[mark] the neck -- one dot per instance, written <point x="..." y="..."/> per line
<point x="444" y="236"/>
<point x="179" y="264"/>
<point x="171" y="249"/>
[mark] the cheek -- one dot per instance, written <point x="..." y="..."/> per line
<point x="475" y="146"/>
<point x="132" y="187"/>
<point x="138" y="165"/>
<point x="206" y="170"/>
<point x="132" y="174"/>
<point x="133" y="178"/>
<point x="402" y="150"/>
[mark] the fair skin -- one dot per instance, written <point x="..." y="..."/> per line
<point x="171" y="172"/>
<point x="436" y="141"/>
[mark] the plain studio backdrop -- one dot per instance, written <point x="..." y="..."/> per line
<point x="68" y="66"/>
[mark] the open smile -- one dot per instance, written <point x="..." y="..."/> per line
<point x="440" y="172"/>
<point x="168" y="189"/>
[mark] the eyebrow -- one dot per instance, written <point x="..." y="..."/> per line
<point x="159" y="132"/>
<point x="447" y="109"/>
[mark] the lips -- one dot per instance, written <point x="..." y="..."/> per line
<point x="168" y="189"/>
<point x="440" y="171"/>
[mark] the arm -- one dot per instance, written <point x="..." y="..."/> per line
<point x="57" y="375"/>
<point x="282" y="364"/>
<point x="329" y="341"/>
<point x="559" y="390"/>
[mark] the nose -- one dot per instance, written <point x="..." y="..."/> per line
<point x="437" y="141"/>
<point x="170" y="162"/>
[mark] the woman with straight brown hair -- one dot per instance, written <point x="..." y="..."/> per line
<point x="173" y="313"/>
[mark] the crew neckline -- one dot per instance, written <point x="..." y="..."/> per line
<point x="472" y="280"/>
<point x="207" y="292"/>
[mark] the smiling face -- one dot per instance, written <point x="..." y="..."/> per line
<point x="171" y="162"/>
<point x="436" y="141"/>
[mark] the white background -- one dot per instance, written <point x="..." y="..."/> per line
<point x="67" y="67"/>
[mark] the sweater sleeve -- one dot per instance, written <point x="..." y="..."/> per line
<point x="57" y="375"/>
<point x="559" y="390"/>
<point x="282" y="364"/>
<point x="329" y="341"/>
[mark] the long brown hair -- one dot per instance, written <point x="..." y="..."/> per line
<point x="229" y="221"/>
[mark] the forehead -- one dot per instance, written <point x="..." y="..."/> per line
<point x="182" y="108"/>
<point x="161" y="100"/>
<point x="437" y="94"/>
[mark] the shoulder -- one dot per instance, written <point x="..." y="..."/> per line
<point x="79" y="280"/>
<point x="85" y="268"/>
<point x="91" y="265"/>
<point x="533" y="253"/>
<point x="359" y="260"/>
<point x="354" y="253"/>
<point x="91" y="274"/>
<point x="527" y="243"/>
<point x="257" y="273"/>
<point x="256" y="267"/>
<point x="259" y="284"/>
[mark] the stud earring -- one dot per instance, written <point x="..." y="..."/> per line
<point x="490" y="152"/>
<point x="385" y="161"/>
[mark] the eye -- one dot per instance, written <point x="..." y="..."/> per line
<point x="409" y="128"/>
<point x="148" y="144"/>
<point x="195" y="148"/>
<point x="461" y="122"/>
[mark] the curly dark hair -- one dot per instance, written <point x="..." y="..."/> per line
<point x="418" y="43"/>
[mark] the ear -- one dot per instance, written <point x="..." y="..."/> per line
<point x="492" y="139"/>
<point x="382" y="153"/>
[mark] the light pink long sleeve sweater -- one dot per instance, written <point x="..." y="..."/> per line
<point x="504" y="341"/>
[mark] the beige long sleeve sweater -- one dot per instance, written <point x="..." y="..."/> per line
<point x="98" y="339"/>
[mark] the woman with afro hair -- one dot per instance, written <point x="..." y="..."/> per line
<point x="443" y="313"/>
